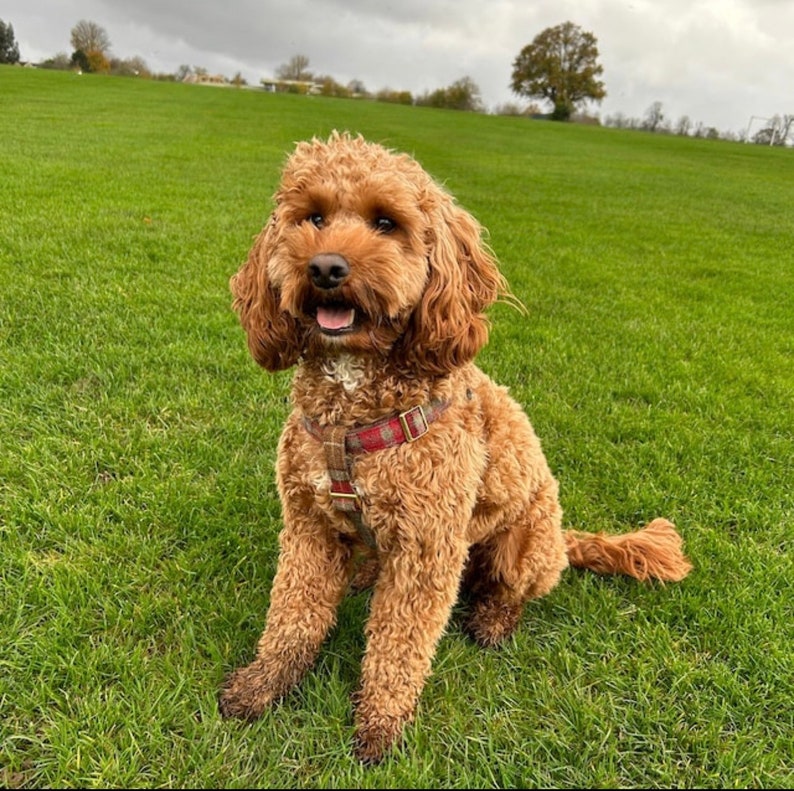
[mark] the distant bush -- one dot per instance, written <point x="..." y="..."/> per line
<point x="464" y="94"/>
<point x="60" y="62"/>
<point x="330" y="87"/>
<point x="395" y="97"/>
<point x="129" y="67"/>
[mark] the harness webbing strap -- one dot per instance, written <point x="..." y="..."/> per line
<point x="341" y="444"/>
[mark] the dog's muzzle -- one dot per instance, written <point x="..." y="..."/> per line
<point x="328" y="270"/>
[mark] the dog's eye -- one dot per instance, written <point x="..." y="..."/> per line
<point x="316" y="219"/>
<point x="384" y="224"/>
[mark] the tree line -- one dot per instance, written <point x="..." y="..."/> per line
<point x="776" y="130"/>
<point x="559" y="68"/>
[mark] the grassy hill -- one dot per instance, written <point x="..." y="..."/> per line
<point x="138" y="510"/>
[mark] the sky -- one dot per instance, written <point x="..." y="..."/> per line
<point x="723" y="63"/>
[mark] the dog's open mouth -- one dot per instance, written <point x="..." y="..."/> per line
<point x="336" y="319"/>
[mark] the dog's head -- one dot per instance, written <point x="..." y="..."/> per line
<point x="365" y="253"/>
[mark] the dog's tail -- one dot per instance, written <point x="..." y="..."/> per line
<point x="651" y="553"/>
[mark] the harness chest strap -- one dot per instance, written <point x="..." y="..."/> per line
<point x="341" y="444"/>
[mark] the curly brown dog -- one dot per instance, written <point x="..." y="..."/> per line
<point x="399" y="454"/>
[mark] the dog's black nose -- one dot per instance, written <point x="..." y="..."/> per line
<point x="328" y="270"/>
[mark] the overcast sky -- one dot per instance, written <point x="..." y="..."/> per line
<point x="717" y="61"/>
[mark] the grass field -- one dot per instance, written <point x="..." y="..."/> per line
<point x="138" y="511"/>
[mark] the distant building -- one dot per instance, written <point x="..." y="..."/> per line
<point x="206" y="79"/>
<point x="291" y="86"/>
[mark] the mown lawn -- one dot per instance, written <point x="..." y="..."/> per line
<point x="138" y="511"/>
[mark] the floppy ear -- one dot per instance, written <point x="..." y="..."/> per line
<point x="275" y="338"/>
<point x="448" y="327"/>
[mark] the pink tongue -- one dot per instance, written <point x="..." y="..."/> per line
<point x="335" y="318"/>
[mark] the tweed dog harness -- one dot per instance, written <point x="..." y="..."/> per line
<point x="341" y="444"/>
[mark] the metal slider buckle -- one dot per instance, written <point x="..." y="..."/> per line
<point x="403" y="416"/>
<point x="345" y="497"/>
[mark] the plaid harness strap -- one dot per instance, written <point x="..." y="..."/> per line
<point x="341" y="444"/>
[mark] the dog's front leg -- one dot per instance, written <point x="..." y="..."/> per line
<point x="411" y="605"/>
<point x="313" y="572"/>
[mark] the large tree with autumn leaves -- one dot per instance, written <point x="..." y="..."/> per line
<point x="561" y="66"/>
<point x="91" y="46"/>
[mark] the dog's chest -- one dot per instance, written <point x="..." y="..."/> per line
<point x="345" y="371"/>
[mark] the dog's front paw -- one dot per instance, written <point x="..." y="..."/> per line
<point x="245" y="693"/>
<point x="373" y="740"/>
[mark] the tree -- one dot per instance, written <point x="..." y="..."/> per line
<point x="296" y="69"/>
<point x="9" y="50"/>
<point x="330" y="87"/>
<point x="654" y="117"/>
<point x="463" y="94"/>
<point x="560" y="65"/>
<point x="394" y="97"/>
<point x="90" y="37"/>
<point x="129" y="67"/>
<point x="785" y="129"/>
<point x="59" y="61"/>
<point x="357" y="88"/>
<point x="97" y="62"/>
<point x="80" y="61"/>
<point x="91" y="47"/>
<point x="683" y="126"/>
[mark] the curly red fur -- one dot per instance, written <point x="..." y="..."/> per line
<point x="651" y="553"/>
<point x="448" y="326"/>
<point x="275" y="338"/>
<point x="374" y="282"/>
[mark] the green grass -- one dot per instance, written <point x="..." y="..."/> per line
<point x="138" y="511"/>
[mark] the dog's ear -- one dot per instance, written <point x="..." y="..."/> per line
<point x="448" y="327"/>
<point x="274" y="336"/>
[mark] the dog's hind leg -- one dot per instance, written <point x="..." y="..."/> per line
<point x="313" y="572"/>
<point x="366" y="573"/>
<point x="520" y="561"/>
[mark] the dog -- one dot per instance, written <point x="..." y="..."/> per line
<point x="402" y="465"/>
